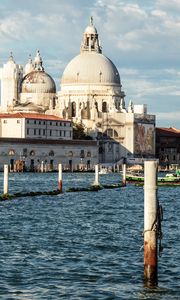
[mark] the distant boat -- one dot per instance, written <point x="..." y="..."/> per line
<point x="169" y="178"/>
<point x="103" y="171"/>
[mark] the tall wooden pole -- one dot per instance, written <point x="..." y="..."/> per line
<point x="150" y="223"/>
<point x="124" y="174"/>
<point x="60" y="178"/>
<point x="42" y="166"/>
<point x="6" y="179"/>
<point x="96" y="182"/>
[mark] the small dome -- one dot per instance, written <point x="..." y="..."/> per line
<point x="90" y="30"/>
<point x="91" y="67"/>
<point x="29" y="66"/>
<point x="11" y="60"/>
<point x="37" y="82"/>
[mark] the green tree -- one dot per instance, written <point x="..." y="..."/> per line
<point x="79" y="132"/>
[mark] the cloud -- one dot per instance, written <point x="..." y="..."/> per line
<point x="141" y="37"/>
<point x="15" y="26"/>
<point x="168" y="119"/>
<point x="172" y="5"/>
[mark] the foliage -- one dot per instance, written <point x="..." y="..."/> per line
<point x="79" y="132"/>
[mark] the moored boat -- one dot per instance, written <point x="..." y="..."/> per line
<point x="169" y="178"/>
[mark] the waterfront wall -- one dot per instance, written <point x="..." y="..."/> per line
<point x="33" y="154"/>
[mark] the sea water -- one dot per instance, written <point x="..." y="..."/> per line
<point x="84" y="245"/>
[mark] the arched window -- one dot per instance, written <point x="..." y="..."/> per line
<point x="70" y="153"/>
<point x="104" y="106"/>
<point x="96" y="105"/>
<point x="11" y="152"/>
<point x="51" y="153"/>
<point x="32" y="153"/>
<point x="115" y="133"/>
<point x="73" y="107"/>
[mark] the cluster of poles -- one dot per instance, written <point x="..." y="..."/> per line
<point x="150" y="215"/>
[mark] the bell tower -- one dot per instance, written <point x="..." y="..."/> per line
<point x="10" y="74"/>
<point x="90" y="40"/>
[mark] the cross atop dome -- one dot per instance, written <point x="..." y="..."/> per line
<point x="30" y="59"/>
<point x="91" y="21"/>
<point x="90" y="40"/>
<point x="11" y="58"/>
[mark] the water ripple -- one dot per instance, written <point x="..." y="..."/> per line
<point x="83" y="245"/>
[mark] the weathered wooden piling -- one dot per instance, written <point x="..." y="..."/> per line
<point x="42" y="167"/>
<point x="124" y="174"/>
<point x="6" y="188"/>
<point x="96" y="181"/>
<point x="114" y="168"/>
<point x="150" y="224"/>
<point x="60" y="178"/>
<point x="117" y="168"/>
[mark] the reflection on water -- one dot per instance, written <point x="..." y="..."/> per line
<point x="83" y="245"/>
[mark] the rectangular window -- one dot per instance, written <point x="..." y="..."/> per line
<point x="25" y="152"/>
<point x="44" y="132"/>
<point x="56" y="123"/>
<point x="39" y="122"/>
<point x="39" y="131"/>
<point x="82" y="154"/>
<point x="34" y="121"/>
<point x="27" y="131"/>
<point x="64" y="124"/>
<point x="50" y="123"/>
<point x="18" y="121"/>
<point x="44" y="123"/>
<point x="64" y="133"/>
<point x="60" y="133"/>
<point x="50" y="132"/>
<point x="27" y="121"/>
<point x="5" y="121"/>
<point x="34" y="131"/>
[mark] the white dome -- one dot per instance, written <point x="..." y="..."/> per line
<point x="91" y="67"/>
<point x="37" y="82"/>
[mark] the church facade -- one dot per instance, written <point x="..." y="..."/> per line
<point x="90" y="93"/>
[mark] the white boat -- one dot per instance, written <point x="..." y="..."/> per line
<point x="103" y="171"/>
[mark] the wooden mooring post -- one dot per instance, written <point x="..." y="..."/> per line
<point x="60" y="178"/>
<point x="6" y="188"/>
<point x="150" y="224"/>
<point x="96" y="181"/>
<point x="42" y="166"/>
<point x="124" y="173"/>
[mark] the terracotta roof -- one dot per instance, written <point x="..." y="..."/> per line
<point x="170" y="130"/>
<point x="33" y="116"/>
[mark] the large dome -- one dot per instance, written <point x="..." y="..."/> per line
<point x="37" y="82"/>
<point x="90" y="67"/>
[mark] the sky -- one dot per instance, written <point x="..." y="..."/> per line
<point x="141" y="37"/>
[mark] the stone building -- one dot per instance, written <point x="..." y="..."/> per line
<point x="168" y="146"/>
<point x="90" y="93"/>
<point x="36" y="126"/>
<point x="46" y="154"/>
